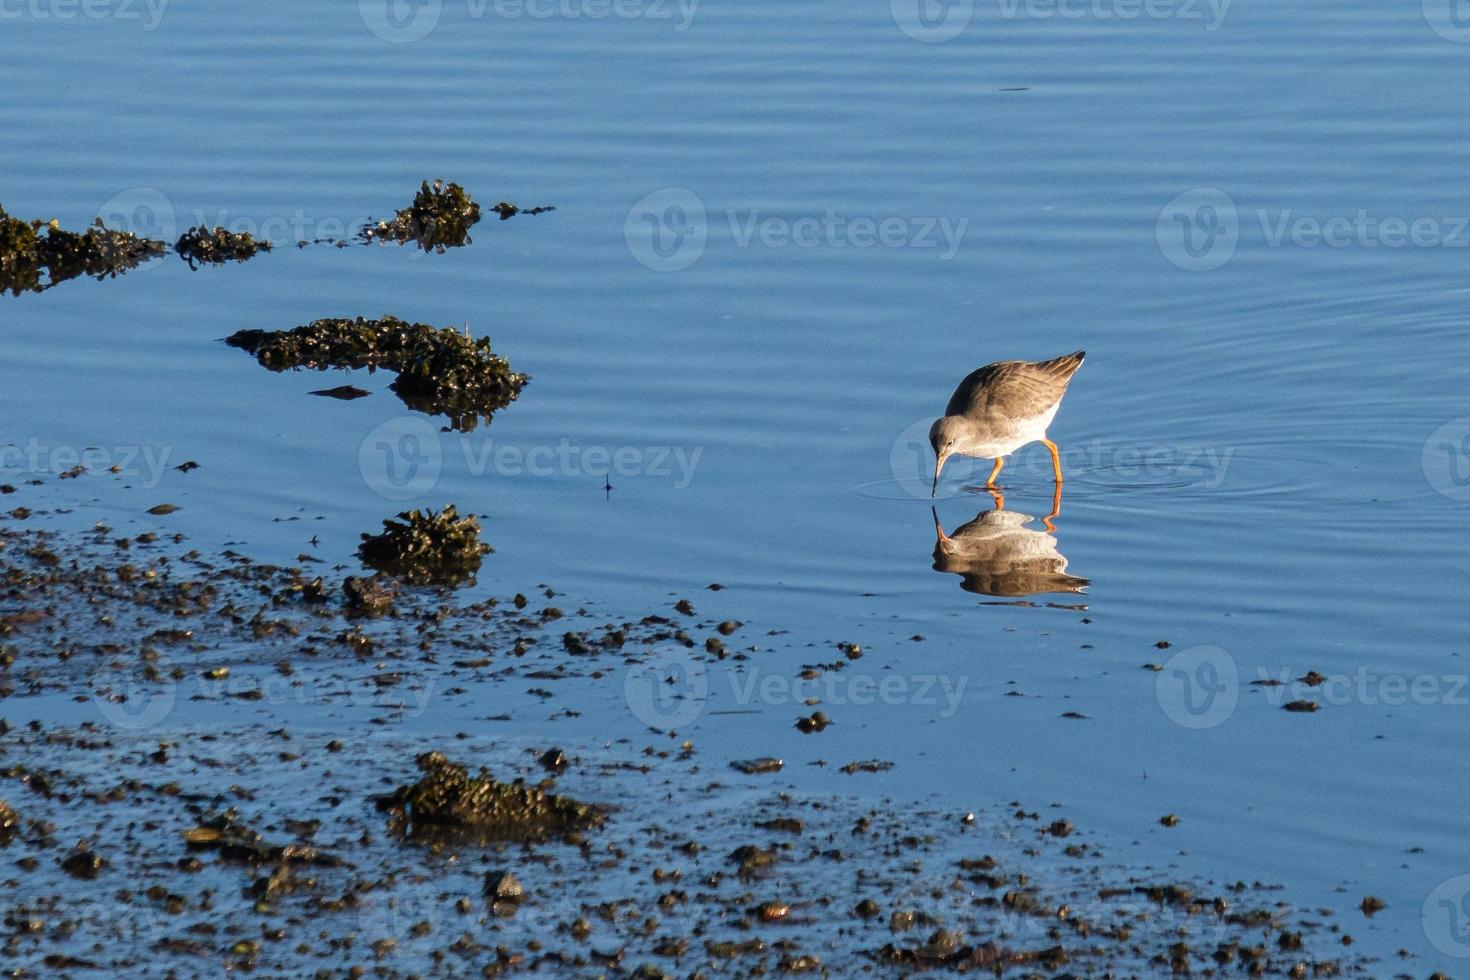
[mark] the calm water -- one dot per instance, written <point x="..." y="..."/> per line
<point x="783" y="232"/>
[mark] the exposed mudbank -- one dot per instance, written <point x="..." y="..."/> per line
<point x="440" y="371"/>
<point x="35" y="256"/>
<point x="161" y="838"/>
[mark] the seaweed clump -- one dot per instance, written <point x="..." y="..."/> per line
<point x="425" y="548"/>
<point x="440" y="371"/>
<point x="218" y="246"/>
<point x="440" y="217"/>
<point x="100" y="252"/>
<point x="448" y="803"/>
<point x="9" y="823"/>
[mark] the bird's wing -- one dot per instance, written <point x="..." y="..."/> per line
<point x="1014" y="389"/>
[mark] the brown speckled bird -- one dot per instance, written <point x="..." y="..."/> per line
<point x="1001" y="407"/>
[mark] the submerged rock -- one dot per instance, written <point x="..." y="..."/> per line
<point x="448" y="802"/>
<point x="440" y="217"/>
<point x="217" y="246"/>
<point x="425" y="548"/>
<point x="100" y="252"/>
<point x="369" y="596"/>
<point x="440" y="371"/>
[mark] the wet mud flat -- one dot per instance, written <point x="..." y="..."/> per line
<point x="277" y="852"/>
<point x="163" y="842"/>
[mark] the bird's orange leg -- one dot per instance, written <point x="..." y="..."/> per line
<point x="1000" y="500"/>
<point x="1056" y="507"/>
<point x="990" y="480"/>
<point x="1056" y="460"/>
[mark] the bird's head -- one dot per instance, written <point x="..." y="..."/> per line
<point x="943" y="435"/>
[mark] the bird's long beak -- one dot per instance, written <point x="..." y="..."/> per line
<point x="938" y="528"/>
<point x="938" y="465"/>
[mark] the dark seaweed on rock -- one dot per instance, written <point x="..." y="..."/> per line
<point x="9" y="823"/>
<point x="217" y="246"/>
<point x="100" y="252"/>
<point x="440" y="217"/>
<point x="425" y="548"/>
<point x="440" y="371"/>
<point x="447" y="802"/>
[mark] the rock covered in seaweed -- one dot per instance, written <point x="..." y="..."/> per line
<point x="440" y="371"/>
<point x="440" y="217"/>
<point x="9" y="823"/>
<point x="217" y="246"/>
<point x="447" y="802"/>
<point x="100" y="252"/>
<point x="425" y="548"/>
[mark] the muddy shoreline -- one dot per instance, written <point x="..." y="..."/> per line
<point x="150" y="837"/>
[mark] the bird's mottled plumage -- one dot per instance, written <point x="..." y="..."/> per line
<point x="1001" y="407"/>
<point x="1009" y="390"/>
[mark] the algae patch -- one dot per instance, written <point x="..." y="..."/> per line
<point x="440" y="371"/>
<point x="440" y="217"/>
<point x="217" y="246"/>
<point x="425" y="548"/>
<point x="448" y="802"/>
<point x="101" y="252"/>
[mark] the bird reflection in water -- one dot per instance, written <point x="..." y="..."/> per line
<point x="997" y="554"/>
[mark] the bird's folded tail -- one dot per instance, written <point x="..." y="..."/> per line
<point x="1062" y="367"/>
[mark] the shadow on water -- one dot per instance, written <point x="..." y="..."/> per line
<point x="998" y="553"/>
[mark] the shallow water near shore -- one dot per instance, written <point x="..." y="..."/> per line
<point x="1266" y="459"/>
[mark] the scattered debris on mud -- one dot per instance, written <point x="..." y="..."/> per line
<point x="204" y="245"/>
<point x="426" y="548"/>
<point x="448" y="804"/>
<point x="166" y="833"/>
<point x="260" y="849"/>
<point x="26" y="254"/>
<point x="440" y="217"/>
<point x="440" y="371"/>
